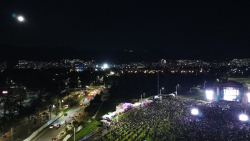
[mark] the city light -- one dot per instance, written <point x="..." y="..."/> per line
<point x="194" y="111"/>
<point x="243" y="117"/>
<point x="20" y="18"/>
<point x="209" y="94"/>
<point x="4" y="92"/>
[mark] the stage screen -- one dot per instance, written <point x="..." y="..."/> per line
<point x="230" y="94"/>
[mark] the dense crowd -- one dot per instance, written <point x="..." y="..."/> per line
<point x="170" y="119"/>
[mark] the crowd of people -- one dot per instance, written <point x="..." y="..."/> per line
<point x="170" y="119"/>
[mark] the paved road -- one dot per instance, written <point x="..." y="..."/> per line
<point x="54" y="132"/>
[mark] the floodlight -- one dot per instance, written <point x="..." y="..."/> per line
<point x="248" y="97"/>
<point x="243" y="117"/>
<point x="209" y="94"/>
<point x="20" y="18"/>
<point x="105" y="66"/>
<point x="194" y="111"/>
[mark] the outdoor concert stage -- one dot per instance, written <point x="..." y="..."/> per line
<point x="228" y="91"/>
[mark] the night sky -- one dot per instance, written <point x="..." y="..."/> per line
<point x="174" y="26"/>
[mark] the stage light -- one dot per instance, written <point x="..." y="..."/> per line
<point x="105" y="66"/>
<point x="243" y="117"/>
<point x="20" y="18"/>
<point x="248" y="97"/>
<point x="194" y="111"/>
<point x="209" y="94"/>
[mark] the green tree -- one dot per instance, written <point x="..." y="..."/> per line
<point x="66" y="129"/>
<point x="75" y="123"/>
<point x="35" y="121"/>
<point x="28" y="131"/>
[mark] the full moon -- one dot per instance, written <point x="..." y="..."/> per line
<point x="20" y="18"/>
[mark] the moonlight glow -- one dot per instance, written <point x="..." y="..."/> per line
<point x="20" y="18"/>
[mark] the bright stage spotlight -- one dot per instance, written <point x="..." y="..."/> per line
<point x="243" y="117"/>
<point x="194" y="111"/>
<point x="105" y="66"/>
<point x="248" y="97"/>
<point x="209" y="94"/>
<point x="20" y="18"/>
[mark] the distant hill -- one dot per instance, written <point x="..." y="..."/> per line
<point x="14" y="53"/>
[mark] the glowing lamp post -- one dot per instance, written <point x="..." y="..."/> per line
<point x="204" y="85"/>
<point x="177" y="88"/>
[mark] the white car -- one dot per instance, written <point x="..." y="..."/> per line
<point x="51" y="126"/>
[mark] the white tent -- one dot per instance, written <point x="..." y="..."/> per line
<point x="136" y="104"/>
<point x="156" y="97"/>
<point x="106" y="117"/>
<point x="149" y="101"/>
<point x="112" y="114"/>
<point x="105" y="122"/>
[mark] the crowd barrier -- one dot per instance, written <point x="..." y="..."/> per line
<point x="91" y="134"/>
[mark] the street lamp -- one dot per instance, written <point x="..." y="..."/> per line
<point x="177" y="88"/>
<point x="68" y="87"/>
<point x="74" y="133"/>
<point x="204" y="85"/>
